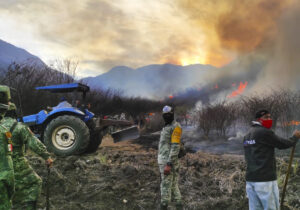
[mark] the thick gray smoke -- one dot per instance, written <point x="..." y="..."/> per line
<point x="283" y="68"/>
<point x="271" y="66"/>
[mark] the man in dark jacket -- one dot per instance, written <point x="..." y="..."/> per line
<point x="259" y="145"/>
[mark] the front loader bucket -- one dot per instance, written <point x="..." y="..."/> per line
<point x="126" y="134"/>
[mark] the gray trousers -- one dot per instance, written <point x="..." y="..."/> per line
<point x="263" y="195"/>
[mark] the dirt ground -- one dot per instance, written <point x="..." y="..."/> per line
<point x="125" y="176"/>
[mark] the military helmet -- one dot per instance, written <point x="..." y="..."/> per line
<point x="4" y="94"/>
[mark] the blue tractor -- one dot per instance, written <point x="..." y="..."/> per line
<point x="69" y="129"/>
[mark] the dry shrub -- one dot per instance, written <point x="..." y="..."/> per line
<point x="217" y="117"/>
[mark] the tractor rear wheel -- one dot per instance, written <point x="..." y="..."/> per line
<point x="66" y="135"/>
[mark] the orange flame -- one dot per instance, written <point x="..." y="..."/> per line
<point x="170" y="96"/>
<point x="239" y="91"/>
<point x="293" y="122"/>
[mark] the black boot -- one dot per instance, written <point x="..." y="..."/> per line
<point x="163" y="206"/>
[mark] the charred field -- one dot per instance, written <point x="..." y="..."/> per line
<point x="126" y="176"/>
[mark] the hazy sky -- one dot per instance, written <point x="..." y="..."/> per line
<point x="101" y="34"/>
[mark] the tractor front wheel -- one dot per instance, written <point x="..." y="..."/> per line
<point x="66" y="135"/>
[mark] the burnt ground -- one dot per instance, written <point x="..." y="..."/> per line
<point x="126" y="176"/>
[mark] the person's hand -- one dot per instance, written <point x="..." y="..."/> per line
<point x="167" y="170"/>
<point x="49" y="162"/>
<point x="296" y="134"/>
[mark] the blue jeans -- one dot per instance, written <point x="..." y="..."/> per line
<point x="263" y="195"/>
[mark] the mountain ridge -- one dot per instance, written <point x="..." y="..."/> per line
<point x="151" y="81"/>
<point x="11" y="54"/>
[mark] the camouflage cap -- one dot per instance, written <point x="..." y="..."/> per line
<point x="4" y="94"/>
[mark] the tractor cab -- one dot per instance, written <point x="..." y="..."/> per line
<point x="68" y="88"/>
<point x="76" y="107"/>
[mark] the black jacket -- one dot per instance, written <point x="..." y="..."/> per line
<point x="259" y="146"/>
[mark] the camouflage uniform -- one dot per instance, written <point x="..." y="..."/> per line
<point x="6" y="170"/>
<point x="169" y="146"/>
<point x="6" y="164"/>
<point x="27" y="183"/>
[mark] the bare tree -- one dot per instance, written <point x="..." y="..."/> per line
<point x="67" y="68"/>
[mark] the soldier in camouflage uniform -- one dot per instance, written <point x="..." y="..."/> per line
<point x="6" y="164"/>
<point x="169" y="146"/>
<point x="27" y="183"/>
